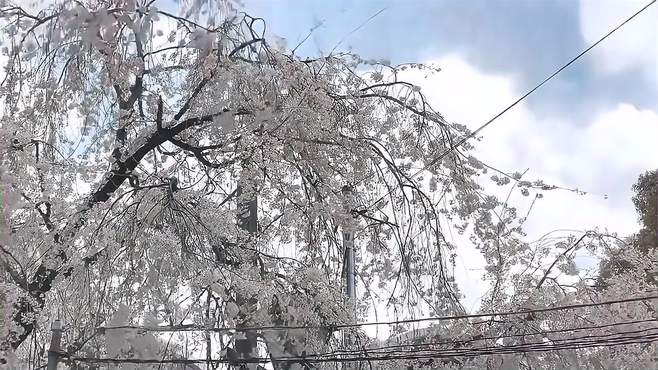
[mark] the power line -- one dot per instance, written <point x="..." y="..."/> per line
<point x="573" y="343"/>
<point x="461" y="342"/>
<point x="528" y="93"/>
<point x="574" y="59"/>
<point x="425" y="350"/>
<point x="192" y="327"/>
<point x="577" y="342"/>
<point x="459" y="349"/>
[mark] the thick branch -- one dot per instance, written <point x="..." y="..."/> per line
<point x="45" y="276"/>
<point x="198" y="153"/>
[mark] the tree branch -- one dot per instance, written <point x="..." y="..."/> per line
<point x="45" y="275"/>
<point x="543" y="279"/>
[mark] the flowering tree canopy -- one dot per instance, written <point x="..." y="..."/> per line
<point x="173" y="167"/>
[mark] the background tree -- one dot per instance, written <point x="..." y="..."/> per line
<point x="645" y="241"/>
<point x="646" y="204"/>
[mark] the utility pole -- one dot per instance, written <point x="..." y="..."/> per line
<point x="246" y="347"/>
<point x="348" y="245"/>
<point x="348" y="240"/>
<point x="54" y="351"/>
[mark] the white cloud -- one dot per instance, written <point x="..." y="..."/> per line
<point x="604" y="156"/>
<point x="632" y="46"/>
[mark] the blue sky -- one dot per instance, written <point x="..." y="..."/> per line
<point x="594" y="127"/>
<point x="525" y="39"/>
<point x="521" y="42"/>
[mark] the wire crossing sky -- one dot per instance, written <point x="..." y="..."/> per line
<point x="567" y="134"/>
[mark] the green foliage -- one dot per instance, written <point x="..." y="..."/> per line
<point x="646" y="204"/>
<point x="645" y="240"/>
